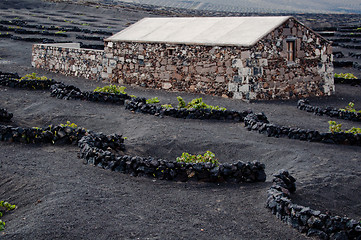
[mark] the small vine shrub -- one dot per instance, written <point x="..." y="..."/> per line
<point x="334" y="127"/>
<point x="111" y="89"/>
<point x="345" y="75"/>
<point x="69" y="124"/>
<point x="33" y="76"/>
<point x="208" y="157"/>
<point x="5" y="207"/>
<point x="152" y="100"/>
<point x="350" y="108"/>
<point x="181" y="102"/>
<point x="167" y="106"/>
<point x="60" y="32"/>
<point x="337" y="128"/>
<point x="197" y="103"/>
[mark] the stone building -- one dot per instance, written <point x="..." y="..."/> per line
<point x="240" y="57"/>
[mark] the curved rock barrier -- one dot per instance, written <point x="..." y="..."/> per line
<point x="169" y="170"/>
<point x="304" y="219"/>
<point x="50" y="134"/>
<point x="140" y="105"/>
<point x="25" y="24"/>
<point x="5" y="116"/>
<point x="33" y="39"/>
<point x="329" y="111"/>
<point x="259" y="122"/>
<point x="255" y="122"/>
<point x="6" y="75"/>
<point x="12" y="80"/>
<point x="101" y="150"/>
<point x="62" y="91"/>
<point x="352" y="82"/>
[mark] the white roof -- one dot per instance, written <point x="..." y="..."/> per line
<point x="233" y="31"/>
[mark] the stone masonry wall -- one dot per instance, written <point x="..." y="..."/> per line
<point x="266" y="74"/>
<point x="197" y="69"/>
<point x="260" y="72"/>
<point x="68" y="59"/>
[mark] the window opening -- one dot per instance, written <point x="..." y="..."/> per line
<point x="170" y="51"/>
<point x="291" y="51"/>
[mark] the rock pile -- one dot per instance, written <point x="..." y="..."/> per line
<point x="5" y="116"/>
<point x="329" y="111"/>
<point x="259" y="122"/>
<point x="304" y="219"/>
<point x="139" y="105"/>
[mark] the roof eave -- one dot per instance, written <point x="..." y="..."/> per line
<point x="184" y="43"/>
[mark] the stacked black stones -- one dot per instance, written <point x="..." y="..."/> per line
<point x="50" y="134"/>
<point x="329" y="111"/>
<point x="5" y="116"/>
<point x="100" y="150"/>
<point x="25" y="24"/>
<point x="101" y="156"/>
<point x="12" y="80"/>
<point x="259" y="122"/>
<point x="68" y="92"/>
<point x="304" y="219"/>
<point x="140" y="105"/>
<point x="352" y="82"/>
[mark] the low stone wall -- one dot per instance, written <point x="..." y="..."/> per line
<point x="68" y="92"/>
<point x="304" y="219"/>
<point x="5" y="116"/>
<point x="68" y="59"/>
<point x="50" y="134"/>
<point x="259" y="122"/>
<point x="27" y="84"/>
<point x="329" y="111"/>
<point x="139" y="105"/>
<point x="255" y="122"/>
<point x="352" y="82"/>
<point x="98" y="149"/>
<point x="169" y="170"/>
<point x="6" y="75"/>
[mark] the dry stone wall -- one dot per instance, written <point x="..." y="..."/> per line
<point x="68" y="59"/>
<point x="192" y="68"/>
<point x="304" y="219"/>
